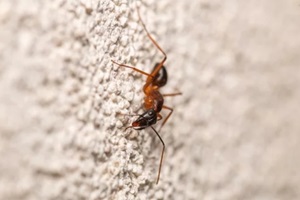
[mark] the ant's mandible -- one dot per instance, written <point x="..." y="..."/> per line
<point x="154" y="100"/>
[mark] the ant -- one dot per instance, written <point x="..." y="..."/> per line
<point x="153" y="100"/>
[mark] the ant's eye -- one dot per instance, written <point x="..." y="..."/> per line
<point x="151" y="112"/>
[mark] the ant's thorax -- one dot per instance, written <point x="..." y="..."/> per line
<point x="154" y="100"/>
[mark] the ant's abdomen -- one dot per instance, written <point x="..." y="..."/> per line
<point x="161" y="78"/>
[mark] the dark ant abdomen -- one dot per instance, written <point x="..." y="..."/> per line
<point x="161" y="78"/>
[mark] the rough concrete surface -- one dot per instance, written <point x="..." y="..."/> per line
<point x="235" y="130"/>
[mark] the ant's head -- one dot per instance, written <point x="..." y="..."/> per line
<point x="145" y="120"/>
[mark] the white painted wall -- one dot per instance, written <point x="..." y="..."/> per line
<point x="234" y="132"/>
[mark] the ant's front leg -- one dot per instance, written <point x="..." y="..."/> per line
<point x="159" y="117"/>
<point x="166" y="119"/>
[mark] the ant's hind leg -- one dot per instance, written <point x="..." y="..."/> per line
<point x="155" y="43"/>
<point x="133" y="68"/>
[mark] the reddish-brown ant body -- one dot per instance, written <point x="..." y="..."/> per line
<point x="154" y="100"/>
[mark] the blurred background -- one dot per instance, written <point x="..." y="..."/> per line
<point x="234" y="133"/>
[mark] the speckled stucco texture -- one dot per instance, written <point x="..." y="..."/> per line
<point x="235" y="130"/>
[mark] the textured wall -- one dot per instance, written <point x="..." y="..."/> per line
<point x="234" y="133"/>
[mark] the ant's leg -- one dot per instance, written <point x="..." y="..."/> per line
<point x="162" y="154"/>
<point x="172" y="94"/>
<point x="133" y="68"/>
<point x="170" y="113"/>
<point x="159" y="117"/>
<point x="132" y="115"/>
<point x="155" y="43"/>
